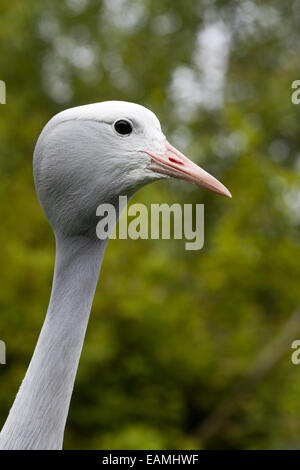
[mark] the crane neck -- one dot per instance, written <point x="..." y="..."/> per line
<point x="38" y="416"/>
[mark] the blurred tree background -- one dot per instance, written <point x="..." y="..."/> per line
<point x="174" y="356"/>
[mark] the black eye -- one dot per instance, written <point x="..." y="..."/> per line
<point x="123" y="127"/>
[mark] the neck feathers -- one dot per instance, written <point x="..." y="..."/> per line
<point x="38" y="416"/>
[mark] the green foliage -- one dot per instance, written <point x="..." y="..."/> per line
<point x="171" y="332"/>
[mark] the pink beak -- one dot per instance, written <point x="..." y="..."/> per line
<point x="174" y="163"/>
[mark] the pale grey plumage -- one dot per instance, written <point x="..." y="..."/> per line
<point x="79" y="162"/>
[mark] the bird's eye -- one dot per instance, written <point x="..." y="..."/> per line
<point x="123" y="127"/>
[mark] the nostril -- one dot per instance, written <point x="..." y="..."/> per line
<point x="173" y="160"/>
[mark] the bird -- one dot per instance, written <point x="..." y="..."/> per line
<point x="84" y="156"/>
